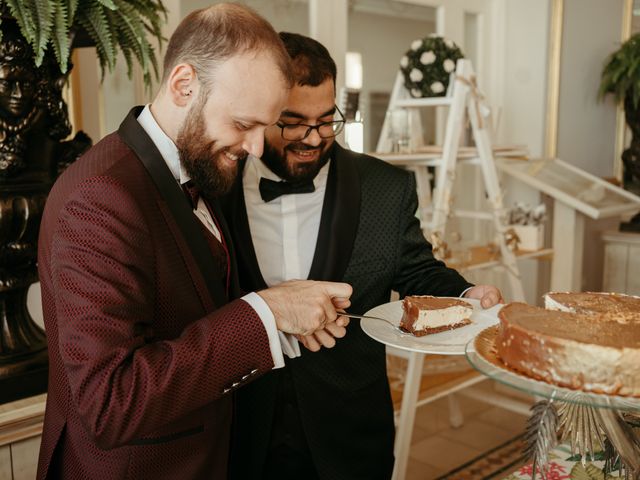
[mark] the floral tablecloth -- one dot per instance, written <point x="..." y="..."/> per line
<point x="561" y="466"/>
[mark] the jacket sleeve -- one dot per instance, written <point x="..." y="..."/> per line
<point x="417" y="271"/>
<point x="126" y="381"/>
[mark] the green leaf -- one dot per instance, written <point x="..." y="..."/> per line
<point x="113" y="25"/>
<point x="22" y="11"/>
<point x="94" y="20"/>
<point x="621" y="72"/>
<point x="72" y="6"/>
<point x="133" y="30"/>
<point x="108" y="3"/>
<point x="60" y="39"/>
<point x="44" y="10"/>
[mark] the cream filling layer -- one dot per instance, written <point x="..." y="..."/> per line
<point x="441" y="317"/>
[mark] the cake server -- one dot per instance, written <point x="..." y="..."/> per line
<point x="367" y="317"/>
<point x="364" y="317"/>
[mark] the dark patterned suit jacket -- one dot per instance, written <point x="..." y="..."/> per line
<point x="143" y="350"/>
<point x="370" y="238"/>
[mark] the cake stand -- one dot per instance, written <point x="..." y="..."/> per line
<point x="598" y="413"/>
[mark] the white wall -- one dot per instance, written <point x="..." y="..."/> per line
<point x="586" y="127"/>
<point x="523" y="103"/>
<point x="525" y="58"/>
<point x="381" y="53"/>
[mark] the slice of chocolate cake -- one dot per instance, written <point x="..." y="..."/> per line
<point x="424" y="314"/>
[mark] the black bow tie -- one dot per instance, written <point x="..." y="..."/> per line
<point x="270" y="189"/>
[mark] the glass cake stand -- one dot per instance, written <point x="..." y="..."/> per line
<point x="481" y="354"/>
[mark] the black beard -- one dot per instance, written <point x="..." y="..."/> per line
<point x="277" y="163"/>
<point x="201" y="161"/>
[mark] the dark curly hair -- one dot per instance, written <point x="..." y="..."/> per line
<point x="312" y="63"/>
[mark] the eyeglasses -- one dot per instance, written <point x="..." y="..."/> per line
<point x="300" y="131"/>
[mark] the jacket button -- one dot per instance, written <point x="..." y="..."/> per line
<point x="225" y="391"/>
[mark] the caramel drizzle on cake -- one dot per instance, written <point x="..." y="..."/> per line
<point x="619" y="307"/>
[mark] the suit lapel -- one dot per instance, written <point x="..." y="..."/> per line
<point x="235" y="208"/>
<point x="137" y="139"/>
<point x="339" y="220"/>
<point x="234" y="290"/>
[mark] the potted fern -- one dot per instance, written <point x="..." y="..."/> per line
<point x="111" y="25"/>
<point x="36" y="38"/>
<point x="621" y="77"/>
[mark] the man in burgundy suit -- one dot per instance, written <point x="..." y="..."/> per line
<point x="146" y="343"/>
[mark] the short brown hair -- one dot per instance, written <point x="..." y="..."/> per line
<point x="207" y="37"/>
<point x="312" y="63"/>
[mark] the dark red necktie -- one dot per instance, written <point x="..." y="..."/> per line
<point x="218" y="248"/>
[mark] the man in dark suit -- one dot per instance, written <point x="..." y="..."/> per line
<point x="311" y="209"/>
<point x="146" y="341"/>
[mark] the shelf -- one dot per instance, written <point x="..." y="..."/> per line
<point x="480" y="258"/>
<point x="573" y="187"/>
<point x="473" y="214"/>
<point x="420" y="159"/>
<point x="424" y="102"/>
<point x="431" y="155"/>
<point x="21" y="419"/>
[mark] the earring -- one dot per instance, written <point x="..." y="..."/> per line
<point x="186" y="94"/>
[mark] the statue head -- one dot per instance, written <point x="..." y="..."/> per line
<point x="18" y="79"/>
<point x="29" y="95"/>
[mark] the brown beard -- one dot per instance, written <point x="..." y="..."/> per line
<point x="277" y="162"/>
<point x="201" y="160"/>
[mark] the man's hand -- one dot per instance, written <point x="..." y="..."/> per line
<point x="327" y="336"/>
<point x="487" y="294"/>
<point x="324" y="338"/>
<point x="302" y="307"/>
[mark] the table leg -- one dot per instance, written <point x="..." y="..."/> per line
<point x="568" y="248"/>
<point x="407" y="414"/>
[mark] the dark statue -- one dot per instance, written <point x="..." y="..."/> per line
<point x="631" y="159"/>
<point x="33" y="124"/>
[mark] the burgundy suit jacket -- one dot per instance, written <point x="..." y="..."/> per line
<point x="144" y="349"/>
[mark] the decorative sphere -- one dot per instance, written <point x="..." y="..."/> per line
<point x="428" y="64"/>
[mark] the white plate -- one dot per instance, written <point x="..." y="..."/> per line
<point x="450" y="342"/>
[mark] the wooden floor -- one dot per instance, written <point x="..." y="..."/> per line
<point x="437" y="447"/>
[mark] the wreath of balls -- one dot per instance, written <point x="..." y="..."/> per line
<point x="428" y="64"/>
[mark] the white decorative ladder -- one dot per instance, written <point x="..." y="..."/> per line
<point x="463" y="99"/>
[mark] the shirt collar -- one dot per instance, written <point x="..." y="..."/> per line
<point x="165" y="145"/>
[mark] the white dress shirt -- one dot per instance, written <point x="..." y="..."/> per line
<point x="169" y="153"/>
<point x="285" y="230"/>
